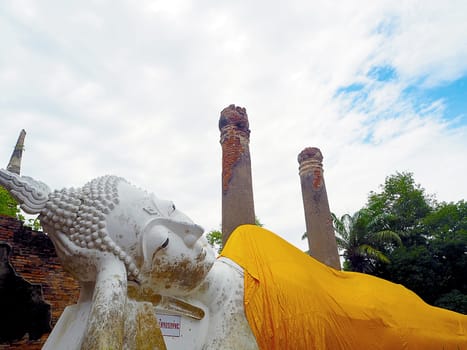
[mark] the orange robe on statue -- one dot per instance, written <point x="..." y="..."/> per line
<point x="294" y="302"/>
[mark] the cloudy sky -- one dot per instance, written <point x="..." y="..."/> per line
<point x="136" y="88"/>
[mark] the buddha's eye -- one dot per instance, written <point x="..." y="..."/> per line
<point x="165" y="244"/>
<point x="171" y="209"/>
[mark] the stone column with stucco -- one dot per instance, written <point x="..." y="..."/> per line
<point x="14" y="165"/>
<point x="319" y="228"/>
<point x="237" y="189"/>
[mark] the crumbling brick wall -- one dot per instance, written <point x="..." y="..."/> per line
<point x="33" y="258"/>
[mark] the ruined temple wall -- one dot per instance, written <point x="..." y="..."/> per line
<point x="33" y="258"/>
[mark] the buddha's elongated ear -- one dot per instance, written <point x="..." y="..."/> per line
<point x="152" y="239"/>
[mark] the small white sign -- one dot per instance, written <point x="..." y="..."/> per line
<point x="170" y="324"/>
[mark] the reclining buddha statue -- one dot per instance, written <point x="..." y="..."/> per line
<point x="137" y="256"/>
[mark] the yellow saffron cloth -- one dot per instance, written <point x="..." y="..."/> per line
<point x="292" y="302"/>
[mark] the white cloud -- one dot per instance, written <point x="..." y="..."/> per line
<point x="136" y="89"/>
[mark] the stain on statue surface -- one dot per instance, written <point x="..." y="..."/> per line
<point x="131" y="252"/>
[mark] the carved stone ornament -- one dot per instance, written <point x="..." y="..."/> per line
<point x="138" y="259"/>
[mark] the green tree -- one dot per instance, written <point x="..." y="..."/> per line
<point x="214" y="237"/>
<point x="433" y="258"/>
<point x="446" y="221"/>
<point x="400" y="206"/>
<point x="436" y="269"/>
<point x="8" y="205"/>
<point x="454" y="300"/>
<point x="360" y="244"/>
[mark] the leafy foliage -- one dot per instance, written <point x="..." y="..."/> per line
<point x="432" y="259"/>
<point x="9" y="207"/>
<point x="400" y="206"/>
<point x="33" y="223"/>
<point x="214" y="237"/>
<point x="361" y="244"/>
<point x="454" y="300"/>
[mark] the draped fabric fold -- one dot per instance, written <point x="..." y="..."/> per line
<point x="292" y="301"/>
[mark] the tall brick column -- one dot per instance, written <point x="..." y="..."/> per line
<point x="320" y="231"/>
<point x="15" y="161"/>
<point x="237" y="188"/>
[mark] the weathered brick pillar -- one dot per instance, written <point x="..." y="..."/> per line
<point x="15" y="161"/>
<point x="319" y="228"/>
<point x="237" y="188"/>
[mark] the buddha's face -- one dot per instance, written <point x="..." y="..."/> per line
<point x="177" y="257"/>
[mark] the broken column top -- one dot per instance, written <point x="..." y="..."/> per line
<point x="313" y="153"/>
<point x="236" y="117"/>
<point x="310" y="160"/>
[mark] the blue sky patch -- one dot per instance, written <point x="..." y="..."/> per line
<point x="453" y="95"/>
<point x="356" y="93"/>
<point x="355" y="87"/>
<point x="387" y="26"/>
<point x="382" y="73"/>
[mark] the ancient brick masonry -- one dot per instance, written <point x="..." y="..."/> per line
<point x="33" y="258"/>
<point x="237" y="188"/>
<point x="319" y="228"/>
